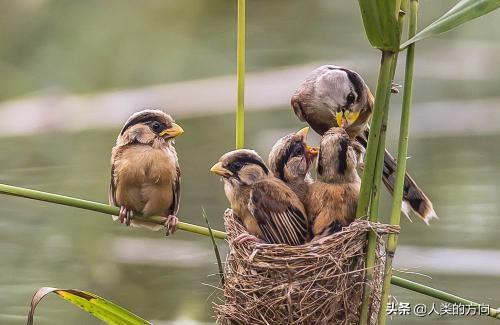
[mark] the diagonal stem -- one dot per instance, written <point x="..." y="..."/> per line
<point x="108" y="209"/>
<point x="98" y="207"/>
<point x="441" y="295"/>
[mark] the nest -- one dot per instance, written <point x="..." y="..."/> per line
<point x="317" y="283"/>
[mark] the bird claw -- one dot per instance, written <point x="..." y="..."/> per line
<point x="171" y="224"/>
<point x="244" y="237"/>
<point x="125" y="215"/>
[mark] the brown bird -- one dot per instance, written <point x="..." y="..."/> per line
<point x="333" y="198"/>
<point x="269" y="210"/>
<point x="290" y="160"/>
<point x="333" y="96"/>
<point x="145" y="173"/>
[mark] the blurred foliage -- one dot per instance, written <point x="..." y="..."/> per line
<point x="461" y="13"/>
<point x="86" y="46"/>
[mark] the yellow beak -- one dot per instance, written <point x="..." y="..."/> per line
<point x="312" y="151"/>
<point x="172" y="132"/>
<point x="346" y="118"/>
<point x="219" y="170"/>
<point x="303" y="133"/>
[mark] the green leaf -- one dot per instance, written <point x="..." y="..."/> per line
<point x="462" y="12"/>
<point x="216" y="248"/>
<point x="380" y="19"/>
<point x="101" y="308"/>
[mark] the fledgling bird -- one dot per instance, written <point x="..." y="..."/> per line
<point x="269" y="210"/>
<point x="333" y="197"/>
<point x="145" y="172"/>
<point x="333" y="96"/>
<point x="290" y="160"/>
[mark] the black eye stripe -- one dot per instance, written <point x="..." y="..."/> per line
<point x="320" y="162"/>
<point x="284" y="159"/>
<point x="248" y="159"/>
<point x="355" y="79"/>
<point x="146" y="118"/>
<point x="344" y="143"/>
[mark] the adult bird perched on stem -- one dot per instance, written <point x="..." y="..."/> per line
<point x="269" y="210"/>
<point x="332" y="199"/>
<point x="145" y="173"/>
<point x="333" y="96"/>
<point x="290" y="160"/>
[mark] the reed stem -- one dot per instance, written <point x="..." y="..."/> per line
<point x="240" y="77"/>
<point x="392" y="239"/>
<point x="108" y="209"/>
<point x="98" y="207"/>
<point x="369" y="181"/>
<point x="439" y="294"/>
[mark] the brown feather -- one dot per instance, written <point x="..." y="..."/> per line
<point x="309" y="107"/>
<point x="328" y="204"/>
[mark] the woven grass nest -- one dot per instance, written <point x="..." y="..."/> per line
<point x="317" y="283"/>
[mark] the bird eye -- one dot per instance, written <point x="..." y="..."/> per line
<point x="298" y="151"/>
<point x="235" y="166"/>
<point x="156" y="126"/>
<point x="350" y="99"/>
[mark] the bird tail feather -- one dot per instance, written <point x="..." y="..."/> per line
<point x="414" y="199"/>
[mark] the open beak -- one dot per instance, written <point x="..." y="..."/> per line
<point x="303" y="133"/>
<point x="219" y="170"/>
<point x="312" y="152"/>
<point x="172" y="132"/>
<point x="346" y="118"/>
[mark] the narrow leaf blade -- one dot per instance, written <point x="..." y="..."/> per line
<point x="461" y="13"/>
<point x="216" y="248"/>
<point x="101" y="308"/>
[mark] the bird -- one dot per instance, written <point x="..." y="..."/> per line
<point x="269" y="210"/>
<point x="333" y="96"/>
<point x="145" y="172"/>
<point x="290" y="160"/>
<point x="332" y="199"/>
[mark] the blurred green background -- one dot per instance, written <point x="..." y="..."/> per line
<point x="69" y="51"/>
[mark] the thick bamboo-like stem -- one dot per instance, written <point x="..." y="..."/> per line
<point x="107" y="209"/>
<point x="240" y="76"/>
<point x="373" y="210"/>
<point x="381" y="104"/>
<point x="392" y="240"/>
<point x="438" y="294"/>
<point x="368" y="181"/>
<point x="98" y="207"/>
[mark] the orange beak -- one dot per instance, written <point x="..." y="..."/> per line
<point x="312" y="152"/>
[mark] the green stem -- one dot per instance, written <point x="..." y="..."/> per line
<point x="98" y="207"/>
<point x="240" y="76"/>
<point x="404" y="130"/>
<point x="369" y="180"/>
<point x="107" y="209"/>
<point x="383" y="87"/>
<point x="438" y="294"/>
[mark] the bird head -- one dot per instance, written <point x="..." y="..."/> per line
<point x="337" y="159"/>
<point x="291" y="156"/>
<point x="242" y="166"/>
<point x="149" y="125"/>
<point x="343" y="92"/>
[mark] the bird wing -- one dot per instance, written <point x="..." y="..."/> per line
<point x="112" y="189"/>
<point x="279" y="213"/>
<point x="297" y="108"/>
<point x="176" y="193"/>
